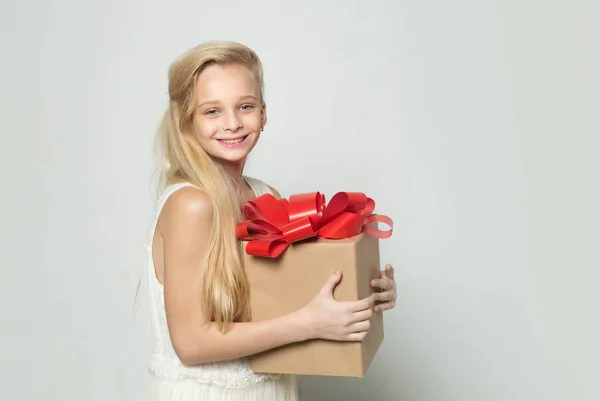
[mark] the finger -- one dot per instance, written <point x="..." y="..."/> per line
<point x="360" y="305"/>
<point x="357" y="336"/>
<point x="385" y="284"/>
<point x="362" y="315"/>
<point x="359" y="327"/>
<point x="331" y="282"/>
<point x="384" y="296"/>
<point x="389" y="271"/>
<point x="385" y="306"/>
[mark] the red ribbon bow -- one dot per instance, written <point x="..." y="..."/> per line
<point x="271" y="225"/>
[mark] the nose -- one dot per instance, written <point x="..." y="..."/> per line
<point x="233" y="122"/>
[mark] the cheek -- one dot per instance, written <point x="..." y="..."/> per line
<point x="253" y="122"/>
<point x="205" y="129"/>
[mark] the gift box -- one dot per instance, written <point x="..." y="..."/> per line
<point x="292" y="246"/>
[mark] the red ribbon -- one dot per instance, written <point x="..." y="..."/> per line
<point x="271" y="225"/>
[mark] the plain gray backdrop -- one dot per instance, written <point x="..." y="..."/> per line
<point x="473" y="124"/>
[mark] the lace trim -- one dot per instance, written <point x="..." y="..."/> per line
<point x="229" y="374"/>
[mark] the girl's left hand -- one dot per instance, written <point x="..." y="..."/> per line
<point x="386" y="298"/>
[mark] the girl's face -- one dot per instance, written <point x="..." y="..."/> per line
<point x="229" y="116"/>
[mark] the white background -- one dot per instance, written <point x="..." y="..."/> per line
<point x="471" y="123"/>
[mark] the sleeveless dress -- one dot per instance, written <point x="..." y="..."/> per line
<point x="231" y="380"/>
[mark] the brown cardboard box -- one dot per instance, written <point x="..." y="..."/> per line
<point x="292" y="280"/>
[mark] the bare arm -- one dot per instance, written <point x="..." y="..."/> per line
<point x="184" y="225"/>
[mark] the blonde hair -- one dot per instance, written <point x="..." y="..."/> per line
<point x="225" y="287"/>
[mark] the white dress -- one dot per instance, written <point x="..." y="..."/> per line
<point x="221" y="381"/>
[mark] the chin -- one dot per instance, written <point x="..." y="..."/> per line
<point x="236" y="156"/>
<point x="232" y="160"/>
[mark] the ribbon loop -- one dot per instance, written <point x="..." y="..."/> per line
<point x="271" y="225"/>
<point x="376" y="232"/>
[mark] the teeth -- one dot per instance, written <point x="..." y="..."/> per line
<point x="232" y="140"/>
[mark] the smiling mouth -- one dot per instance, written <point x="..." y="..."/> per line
<point x="231" y="141"/>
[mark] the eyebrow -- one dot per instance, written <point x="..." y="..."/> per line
<point x="217" y="102"/>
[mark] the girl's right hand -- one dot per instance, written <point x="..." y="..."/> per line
<point x="329" y="319"/>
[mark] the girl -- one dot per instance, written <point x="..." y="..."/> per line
<point x="200" y="317"/>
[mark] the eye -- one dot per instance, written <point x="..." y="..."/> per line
<point x="211" y="112"/>
<point x="247" y="107"/>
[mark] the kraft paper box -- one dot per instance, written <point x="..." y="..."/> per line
<point x="290" y="281"/>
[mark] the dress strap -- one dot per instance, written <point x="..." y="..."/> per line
<point x="160" y="203"/>
<point x="259" y="187"/>
<point x="168" y="191"/>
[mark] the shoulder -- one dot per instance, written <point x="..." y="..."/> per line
<point x="262" y="186"/>
<point x="187" y="205"/>
<point x="274" y="192"/>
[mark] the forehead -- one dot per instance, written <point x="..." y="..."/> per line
<point x="218" y="82"/>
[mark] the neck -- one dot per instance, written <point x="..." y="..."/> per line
<point x="235" y="171"/>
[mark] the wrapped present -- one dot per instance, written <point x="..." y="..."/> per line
<point x="291" y="247"/>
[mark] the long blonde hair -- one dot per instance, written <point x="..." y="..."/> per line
<point x="225" y="288"/>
